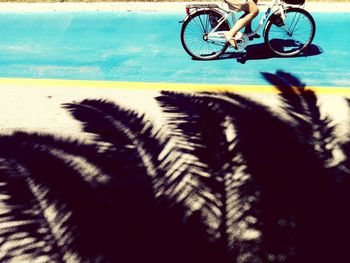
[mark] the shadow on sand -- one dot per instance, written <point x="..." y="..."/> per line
<point x="272" y="191"/>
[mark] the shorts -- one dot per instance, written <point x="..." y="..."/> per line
<point x="238" y="5"/>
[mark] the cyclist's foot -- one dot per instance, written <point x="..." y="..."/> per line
<point x="253" y="36"/>
<point x="231" y="40"/>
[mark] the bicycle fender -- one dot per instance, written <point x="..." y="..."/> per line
<point x="196" y="10"/>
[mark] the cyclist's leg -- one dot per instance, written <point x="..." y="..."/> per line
<point x="248" y="27"/>
<point x="251" y="10"/>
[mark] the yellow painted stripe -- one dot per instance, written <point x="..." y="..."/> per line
<point x="159" y="86"/>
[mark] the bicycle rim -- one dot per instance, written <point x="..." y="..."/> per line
<point x="194" y="35"/>
<point x="293" y="36"/>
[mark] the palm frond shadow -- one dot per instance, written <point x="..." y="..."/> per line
<point x="225" y="179"/>
<point x="74" y="202"/>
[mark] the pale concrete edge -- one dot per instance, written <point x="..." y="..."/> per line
<point x="142" y="6"/>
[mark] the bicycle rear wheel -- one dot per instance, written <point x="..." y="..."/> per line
<point x="194" y="35"/>
<point x="293" y="36"/>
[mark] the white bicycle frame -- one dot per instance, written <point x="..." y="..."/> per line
<point x="275" y="5"/>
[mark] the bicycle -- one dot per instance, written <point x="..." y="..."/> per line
<point x="289" y="29"/>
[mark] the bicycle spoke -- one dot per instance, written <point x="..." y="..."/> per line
<point x="199" y="24"/>
<point x="292" y="37"/>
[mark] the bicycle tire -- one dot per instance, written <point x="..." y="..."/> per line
<point x="194" y="31"/>
<point x="302" y="31"/>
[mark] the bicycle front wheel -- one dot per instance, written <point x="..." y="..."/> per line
<point x="292" y="36"/>
<point x="194" y="35"/>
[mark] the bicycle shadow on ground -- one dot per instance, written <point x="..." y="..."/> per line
<point x="260" y="51"/>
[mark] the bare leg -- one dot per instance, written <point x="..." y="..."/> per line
<point x="248" y="27"/>
<point x="251" y="12"/>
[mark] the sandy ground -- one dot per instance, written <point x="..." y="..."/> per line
<point x="36" y="106"/>
<point x="142" y="6"/>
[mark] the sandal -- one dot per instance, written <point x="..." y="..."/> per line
<point x="254" y="36"/>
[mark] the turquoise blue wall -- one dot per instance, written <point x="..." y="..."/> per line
<point x="146" y="47"/>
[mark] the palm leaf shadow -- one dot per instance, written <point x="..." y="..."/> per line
<point x="102" y="195"/>
<point x="85" y="218"/>
<point x="214" y="157"/>
<point x="287" y="159"/>
<point x="229" y="108"/>
<point x="163" y="218"/>
<point x="299" y="182"/>
<point x="226" y="179"/>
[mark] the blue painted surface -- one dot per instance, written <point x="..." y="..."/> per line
<point x="146" y="47"/>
